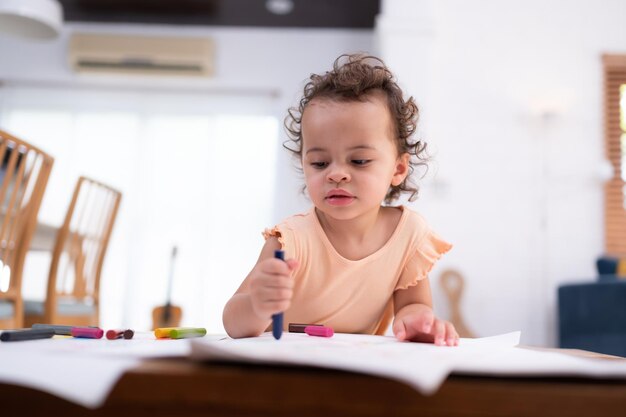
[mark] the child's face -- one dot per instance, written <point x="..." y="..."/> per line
<point x="349" y="155"/>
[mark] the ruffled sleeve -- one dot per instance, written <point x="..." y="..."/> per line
<point x="418" y="266"/>
<point x="275" y="232"/>
<point x="285" y="237"/>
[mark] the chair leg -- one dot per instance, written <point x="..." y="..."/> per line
<point x="31" y="319"/>
<point x="7" y="324"/>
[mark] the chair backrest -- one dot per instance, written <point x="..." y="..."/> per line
<point x="79" y="251"/>
<point x="24" y="173"/>
<point x="452" y="283"/>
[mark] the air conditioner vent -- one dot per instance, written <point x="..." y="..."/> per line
<point x="91" y="53"/>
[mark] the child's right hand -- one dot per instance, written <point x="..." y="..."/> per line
<point x="271" y="286"/>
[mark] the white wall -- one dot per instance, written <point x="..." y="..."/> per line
<point x="511" y="99"/>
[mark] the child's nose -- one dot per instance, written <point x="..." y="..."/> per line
<point x="338" y="175"/>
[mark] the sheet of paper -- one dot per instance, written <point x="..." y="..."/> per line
<point x="81" y="370"/>
<point x="77" y="378"/>
<point x="423" y="366"/>
<point x="529" y="362"/>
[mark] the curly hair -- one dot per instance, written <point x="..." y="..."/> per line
<point x="355" y="77"/>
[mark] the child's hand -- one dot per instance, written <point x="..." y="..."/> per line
<point x="417" y="323"/>
<point x="271" y="286"/>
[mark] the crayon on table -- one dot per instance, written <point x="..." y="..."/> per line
<point x="120" y="334"/>
<point x="163" y="332"/>
<point x="277" y="319"/>
<point x="59" y="329"/>
<point x="321" y="331"/>
<point x="299" y="327"/>
<point x="179" y="332"/>
<point x="25" y="334"/>
<point x="87" y="332"/>
<point x="183" y="332"/>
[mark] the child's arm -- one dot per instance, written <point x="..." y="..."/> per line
<point x="266" y="290"/>
<point x="414" y="318"/>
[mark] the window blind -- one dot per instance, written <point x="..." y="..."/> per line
<point x="615" y="148"/>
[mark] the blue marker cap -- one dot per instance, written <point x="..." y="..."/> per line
<point x="277" y="319"/>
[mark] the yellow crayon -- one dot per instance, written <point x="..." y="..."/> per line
<point x="179" y="332"/>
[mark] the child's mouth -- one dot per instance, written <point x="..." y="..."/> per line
<point x="339" y="200"/>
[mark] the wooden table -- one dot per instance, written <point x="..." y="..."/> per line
<point x="184" y="388"/>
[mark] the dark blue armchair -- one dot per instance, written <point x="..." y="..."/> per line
<point x="592" y="316"/>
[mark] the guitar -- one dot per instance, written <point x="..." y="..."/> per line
<point x="168" y="315"/>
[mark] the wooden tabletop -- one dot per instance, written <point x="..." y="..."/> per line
<point x="179" y="387"/>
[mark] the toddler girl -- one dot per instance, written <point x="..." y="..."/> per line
<point x="353" y="261"/>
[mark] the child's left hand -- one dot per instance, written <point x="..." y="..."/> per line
<point x="417" y="323"/>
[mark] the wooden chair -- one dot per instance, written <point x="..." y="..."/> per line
<point x="24" y="173"/>
<point x="73" y="287"/>
<point x="452" y="282"/>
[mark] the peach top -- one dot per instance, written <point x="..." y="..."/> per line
<point x="354" y="296"/>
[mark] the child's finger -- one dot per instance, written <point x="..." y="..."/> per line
<point x="439" y="332"/>
<point x="275" y="294"/>
<point x="278" y="281"/>
<point x="452" y="337"/>
<point x="425" y="322"/>
<point x="265" y="308"/>
<point x="399" y="330"/>
<point x="292" y="264"/>
<point x="275" y="266"/>
<point x="273" y="307"/>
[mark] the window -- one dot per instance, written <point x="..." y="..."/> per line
<point x="196" y="170"/>
<point x="622" y="107"/>
<point x="615" y="140"/>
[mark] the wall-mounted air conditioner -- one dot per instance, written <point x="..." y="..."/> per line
<point x="129" y="54"/>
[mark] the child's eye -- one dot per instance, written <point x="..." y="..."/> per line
<point x="319" y="165"/>
<point x="361" y="161"/>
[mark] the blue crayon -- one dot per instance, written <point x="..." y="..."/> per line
<point x="277" y="319"/>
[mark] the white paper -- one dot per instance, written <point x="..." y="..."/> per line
<point x="420" y="365"/>
<point x="529" y="362"/>
<point x="81" y="370"/>
<point x="77" y="378"/>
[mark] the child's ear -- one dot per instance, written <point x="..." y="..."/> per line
<point x="402" y="169"/>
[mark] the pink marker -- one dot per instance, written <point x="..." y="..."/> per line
<point x="87" y="332"/>
<point x="321" y="331"/>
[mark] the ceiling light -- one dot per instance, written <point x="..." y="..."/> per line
<point x="281" y="7"/>
<point x="33" y="19"/>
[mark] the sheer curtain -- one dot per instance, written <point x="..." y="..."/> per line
<point x="196" y="171"/>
